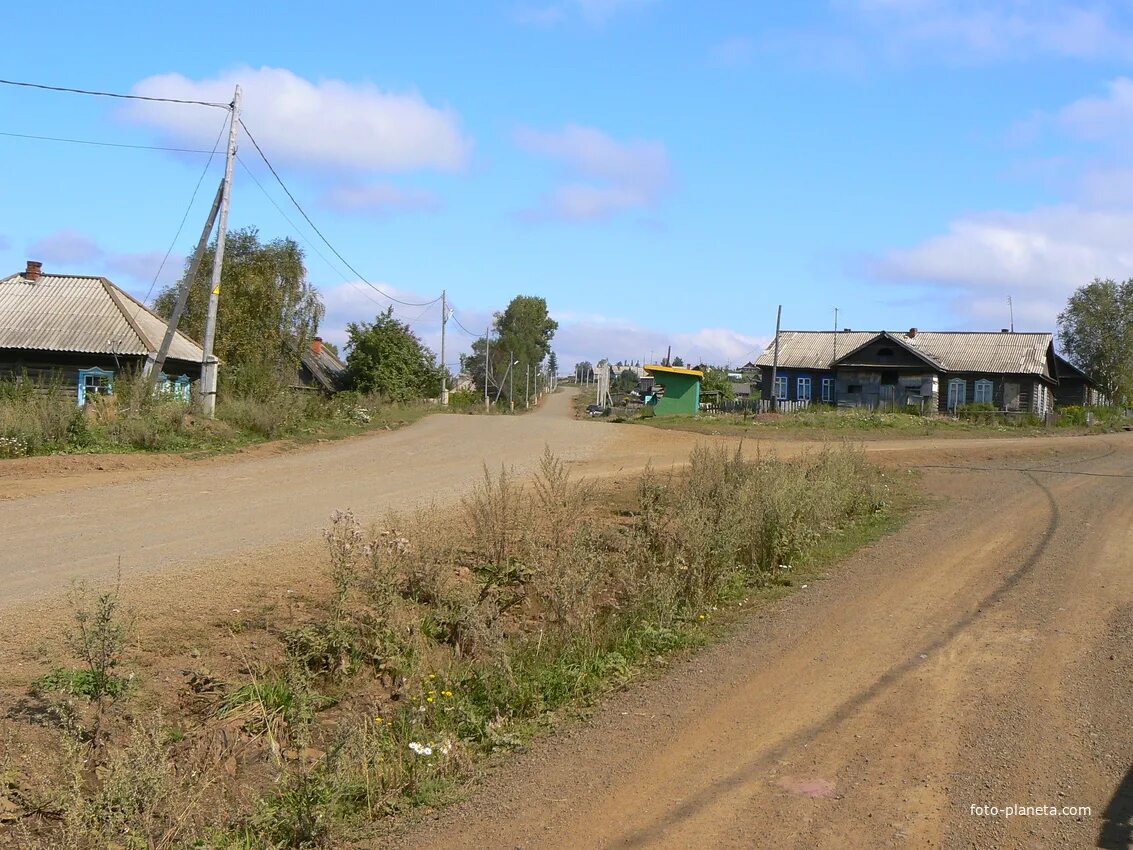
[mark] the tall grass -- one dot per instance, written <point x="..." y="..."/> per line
<point x="446" y="638"/>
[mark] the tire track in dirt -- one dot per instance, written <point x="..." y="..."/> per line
<point x="714" y="784"/>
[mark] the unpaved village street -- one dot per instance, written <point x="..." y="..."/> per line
<point x="982" y="656"/>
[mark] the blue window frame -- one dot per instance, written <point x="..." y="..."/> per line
<point x="94" y="382"/>
<point x="780" y="388"/>
<point x="803" y="388"/>
<point x="179" y="388"/>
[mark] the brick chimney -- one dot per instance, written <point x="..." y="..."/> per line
<point x="317" y="345"/>
<point x="912" y="333"/>
<point x="34" y="270"/>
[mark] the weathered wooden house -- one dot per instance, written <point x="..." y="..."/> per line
<point x="1075" y="387"/>
<point x="84" y="332"/>
<point x="926" y="370"/>
<point x="320" y="368"/>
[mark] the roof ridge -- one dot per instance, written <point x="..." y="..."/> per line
<point x="113" y="291"/>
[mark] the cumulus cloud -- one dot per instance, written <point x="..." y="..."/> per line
<point x="379" y="199"/>
<point x="79" y="253"/>
<point x="594" y="337"/>
<point x="328" y="123"/>
<point x="603" y="176"/>
<point x="1039" y="257"/>
<point x="595" y="13"/>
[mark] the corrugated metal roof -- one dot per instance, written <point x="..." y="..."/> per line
<point x="955" y="351"/>
<point x="82" y="313"/>
<point x="812" y="349"/>
<point x="674" y="370"/>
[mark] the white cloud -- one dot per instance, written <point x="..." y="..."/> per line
<point x="605" y="176"/>
<point x="594" y="337"/>
<point x="595" y="13"/>
<point x="1103" y="117"/>
<point x="328" y="123"/>
<point x="79" y="253"/>
<point x="379" y="199"/>
<point x="1039" y="257"/>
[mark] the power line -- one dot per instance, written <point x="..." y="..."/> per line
<point x="459" y="325"/>
<point x="314" y="227"/>
<point x="104" y="144"/>
<point x="184" y="218"/>
<point x="112" y="94"/>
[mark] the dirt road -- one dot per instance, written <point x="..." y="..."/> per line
<point x="982" y="656"/>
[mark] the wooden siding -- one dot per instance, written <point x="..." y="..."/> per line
<point x="45" y="369"/>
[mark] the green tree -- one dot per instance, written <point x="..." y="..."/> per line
<point x="584" y="371"/>
<point x="386" y="357"/>
<point x="624" y="382"/>
<point x="716" y="380"/>
<point x="552" y="365"/>
<point x="1095" y="333"/>
<point x="678" y="362"/>
<point x="524" y="333"/>
<point x="267" y="312"/>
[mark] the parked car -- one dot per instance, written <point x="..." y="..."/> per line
<point x="595" y="410"/>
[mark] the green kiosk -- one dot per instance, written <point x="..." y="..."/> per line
<point x="675" y="390"/>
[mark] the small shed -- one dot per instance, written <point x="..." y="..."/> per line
<point x="675" y="390"/>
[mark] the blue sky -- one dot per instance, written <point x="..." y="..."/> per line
<point x="662" y="172"/>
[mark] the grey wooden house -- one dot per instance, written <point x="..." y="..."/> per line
<point x="927" y="370"/>
<point x="84" y="332"/>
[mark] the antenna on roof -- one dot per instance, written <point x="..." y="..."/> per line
<point x="835" y="336"/>
<point x="1011" y="311"/>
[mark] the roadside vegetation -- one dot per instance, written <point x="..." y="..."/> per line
<point x="39" y="420"/>
<point x="430" y="642"/>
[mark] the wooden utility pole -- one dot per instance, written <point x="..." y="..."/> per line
<point x="775" y="362"/>
<point x="444" y="373"/>
<point x="527" y="386"/>
<point x="208" y="363"/>
<point x="511" y="382"/>
<point x="487" y="344"/>
<point x="183" y="294"/>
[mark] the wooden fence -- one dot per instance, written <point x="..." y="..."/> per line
<point x="752" y="405"/>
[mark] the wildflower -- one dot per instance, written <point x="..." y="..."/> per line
<point x="420" y="749"/>
<point x="378" y="720"/>
<point x="701" y="617"/>
<point x="428" y="699"/>
<point x="446" y="693"/>
<point x="432" y="675"/>
<point x="446" y="747"/>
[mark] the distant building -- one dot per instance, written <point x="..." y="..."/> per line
<point x="86" y="333"/>
<point x="1075" y="386"/>
<point x="675" y="390"/>
<point x="925" y="369"/>
<point x="320" y="368"/>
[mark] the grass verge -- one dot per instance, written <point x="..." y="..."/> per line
<point x="437" y="642"/>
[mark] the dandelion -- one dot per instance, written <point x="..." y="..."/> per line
<point x="428" y="699"/>
<point x="446" y="693"/>
<point x="378" y="720"/>
<point x="701" y="617"/>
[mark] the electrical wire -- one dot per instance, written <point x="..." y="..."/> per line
<point x="314" y="227"/>
<point x="104" y="144"/>
<point x="299" y="232"/>
<point x="181" y="226"/>
<point x="459" y="325"/>
<point x="113" y="94"/>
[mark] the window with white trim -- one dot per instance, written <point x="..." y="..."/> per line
<point x="780" y="388"/>
<point x="984" y="391"/>
<point x="957" y="392"/>
<point x="828" y="389"/>
<point x="177" y="388"/>
<point x="803" y="387"/>
<point x="94" y="382"/>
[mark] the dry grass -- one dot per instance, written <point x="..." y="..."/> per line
<point x="437" y="641"/>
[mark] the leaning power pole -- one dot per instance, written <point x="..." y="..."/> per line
<point x="487" y="345"/>
<point x="775" y="362"/>
<point x="208" y="362"/>
<point x="444" y="374"/>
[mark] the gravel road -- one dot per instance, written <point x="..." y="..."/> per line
<point x="158" y="519"/>
<point x="980" y="657"/>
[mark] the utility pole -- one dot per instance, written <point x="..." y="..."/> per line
<point x="444" y="373"/>
<point x="511" y="382"/>
<point x="527" y="386"/>
<point x="208" y="364"/>
<point x="487" y="345"/>
<point x="775" y="362"/>
<point x="158" y="363"/>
